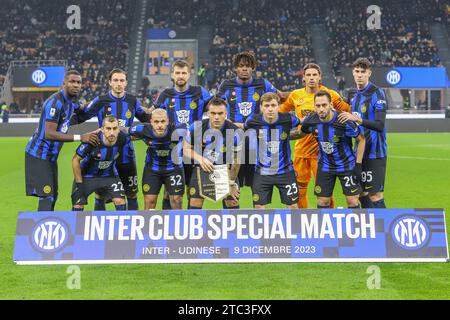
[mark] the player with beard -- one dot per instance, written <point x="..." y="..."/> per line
<point x="301" y="101"/>
<point x="94" y="168"/>
<point x="337" y="158"/>
<point x="125" y="107"/>
<point x="43" y="148"/>
<point x="243" y="96"/>
<point x="185" y="104"/>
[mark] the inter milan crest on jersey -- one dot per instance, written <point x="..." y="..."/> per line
<point x="327" y="147"/>
<point x="245" y="108"/>
<point x="183" y="116"/>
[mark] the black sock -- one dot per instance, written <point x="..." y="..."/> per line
<point x="323" y="207"/>
<point x="77" y="209"/>
<point x="46" y="204"/>
<point x="379" y="204"/>
<point x="166" y="204"/>
<point x="355" y="207"/>
<point x="99" y="205"/>
<point x="121" y="207"/>
<point x="365" y="201"/>
<point x="132" y="204"/>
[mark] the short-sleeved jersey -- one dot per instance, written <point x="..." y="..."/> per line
<point x="58" y="109"/>
<point x="274" y="150"/>
<point x="336" y="153"/>
<point x="243" y="100"/>
<point x="366" y="103"/>
<point x="164" y="154"/>
<point x="184" y="107"/>
<point x="100" y="161"/>
<point x="125" y="109"/>
<point x="218" y="146"/>
<point x="302" y="103"/>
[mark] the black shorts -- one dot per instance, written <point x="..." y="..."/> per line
<point x="246" y="175"/>
<point x="107" y="188"/>
<point x="263" y="187"/>
<point x="194" y="185"/>
<point x="128" y="175"/>
<point x="373" y="175"/>
<point x="188" y="168"/>
<point x="41" y="177"/>
<point x="325" y="182"/>
<point x="173" y="182"/>
<point x="247" y="169"/>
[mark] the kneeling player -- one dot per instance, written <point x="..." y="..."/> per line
<point x="211" y="142"/>
<point x="336" y="155"/>
<point x="163" y="164"/>
<point x="94" y="168"/>
<point x="274" y="165"/>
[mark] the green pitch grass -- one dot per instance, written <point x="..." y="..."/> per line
<point x="418" y="176"/>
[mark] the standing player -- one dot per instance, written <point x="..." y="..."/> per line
<point x="94" y="168"/>
<point x="306" y="149"/>
<point x="274" y="166"/>
<point x="184" y="103"/>
<point x="41" y="153"/>
<point x="369" y="111"/>
<point x="164" y="161"/>
<point x="213" y="141"/>
<point x="124" y="107"/>
<point x="243" y="95"/>
<point x="336" y="155"/>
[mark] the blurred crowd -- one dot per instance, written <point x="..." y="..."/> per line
<point x="277" y="31"/>
<point x="37" y="30"/>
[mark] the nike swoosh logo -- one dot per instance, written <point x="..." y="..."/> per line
<point x="369" y="187"/>
<point x="233" y="99"/>
<point x="354" y="190"/>
<point x="178" y="190"/>
<point x="295" y="199"/>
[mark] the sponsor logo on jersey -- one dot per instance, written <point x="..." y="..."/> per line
<point x="212" y="155"/>
<point x="102" y="165"/>
<point x="162" y="153"/>
<point x="183" y="116"/>
<point x="245" y="108"/>
<point x="273" y="146"/>
<point x="327" y="147"/>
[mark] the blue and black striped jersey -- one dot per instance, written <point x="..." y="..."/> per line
<point x="336" y="153"/>
<point x="59" y="109"/>
<point x="218" y="146"/>
<point x="274" y="150"/>
<point x="125" y="109"/>
<point x="366" y="103"/>
<point x="100" y="161"/>
<point x="164" y="154"/>
<point x="184" y="107"/>
<point x="243" y="100"/>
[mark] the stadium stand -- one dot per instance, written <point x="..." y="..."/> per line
<point x="101" y="44"/>
<point x="403" y="40"/>
<point x="277" y="31"/>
